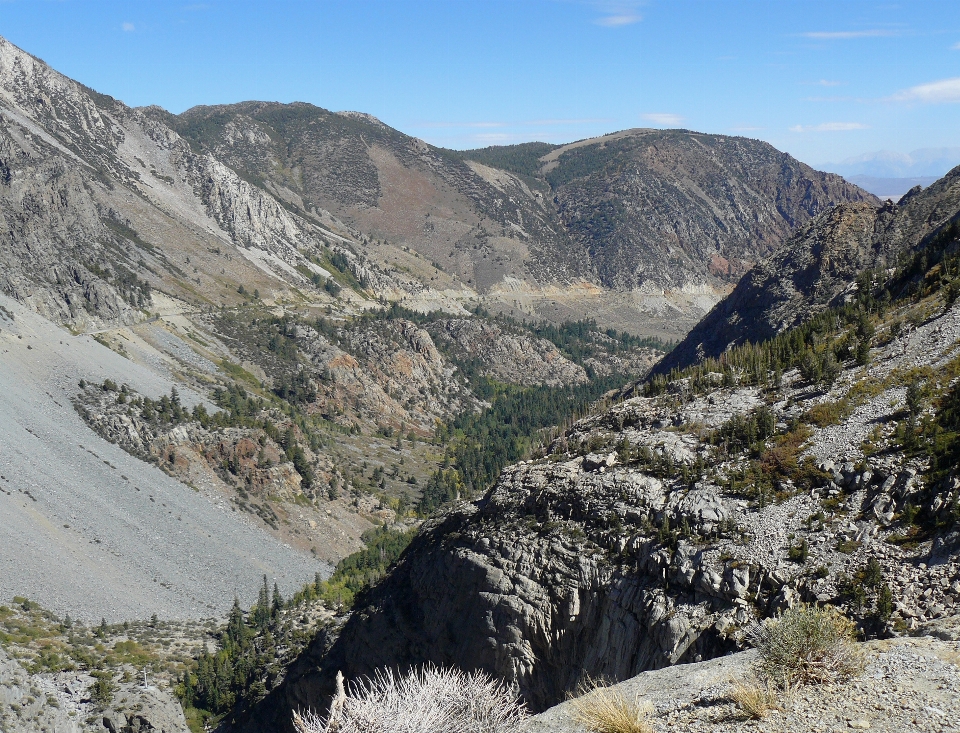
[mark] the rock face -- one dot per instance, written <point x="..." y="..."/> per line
<point x="674" y="209"/>
<point x="818" y="268"/>
<point x="40" y="702"/>
<point x="568" y="568"/>
<point x="101" y="203"/>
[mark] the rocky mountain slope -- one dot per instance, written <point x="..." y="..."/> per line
<point x="680" y="210"/>
<point x="63" y="702"/>
<point x="319" y="405"/>
<point x="821" y="467"/>
<point x="907" y="684"/>
<point x="102" y="204"/>
<point x="641" y="210"/>
<point x="479" y="225"/>
<point x="818" y="268"/>
<point x="89" y="530"/>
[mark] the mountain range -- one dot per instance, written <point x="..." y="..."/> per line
<point x="430" y="396"/>
<point x="564" y="235"/>
<point x="808" y="454"/>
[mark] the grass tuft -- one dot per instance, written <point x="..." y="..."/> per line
<point x="755" y="699"/>
<point x="605" y="709"/>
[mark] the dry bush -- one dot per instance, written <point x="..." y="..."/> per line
<point x="755" y="699"/>
<point x="604" y="709"/>
<point x="428" y="700"/>
<point x="806" y="645"/>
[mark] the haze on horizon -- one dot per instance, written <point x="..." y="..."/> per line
<point x="824" y="81"/>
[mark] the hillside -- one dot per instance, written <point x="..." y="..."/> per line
<point x="249" y="344"/>
<point x="819" y="268"/>
<point x="680" y="210"/>
<point x="642" y="228"/>
<point x="242" y="363"/>
<point x="908" y="684"/>
<point x="820" y="466"/>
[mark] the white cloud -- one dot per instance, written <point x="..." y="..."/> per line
<point x="665" y="119"/>
<point x="462" y="124"/>
<point x="829" y="83"/>
<point x="621" y="19"/>
<point x="956" y="46"/>
<point x="493" y="138"/>
<point x="831" y="99"/>
<point x="945" y="90"/>
<point x="584" y="121"/>
<point x="843" y="35"/>
<point x="829" y="127"/>
<point x="128" y="27"/>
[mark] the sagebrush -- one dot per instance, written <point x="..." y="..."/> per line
<point x="428" y="700"/>
<point x="806" y="645"/>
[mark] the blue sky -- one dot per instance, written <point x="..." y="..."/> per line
<point x="821" y="80"/>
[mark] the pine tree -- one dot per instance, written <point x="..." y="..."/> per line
<point x="262" y="613"/>
<point x="277" y="606"/>
<point x="237" y="631"/>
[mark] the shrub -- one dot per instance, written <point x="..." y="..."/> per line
<point x="101" y="692"/>
<point x="806" y="645"/>
<point x="429" y="700"/>
<point x="604" y="709"/>
<point x="799" y="553"/>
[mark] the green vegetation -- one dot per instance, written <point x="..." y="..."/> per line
<point x="254" y="648"/>
<point x="584" y="161"/>
<point x="360" y="570"/>
<point x="522" y="159"/>
<point x="806" y="645"/>
<point x="868" y="595"/>
<point x="944" y="443"/>
<point x="799" y="553"/>
<point x="131" y="288"/>
<point x="245" y="665"/>
<point x="584" y="339"/>
<point x="482" y="444"/>
<point x="341" y="272"/>
<point x="46" y="643"/>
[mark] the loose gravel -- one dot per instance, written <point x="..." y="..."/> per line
<point x="87" y="529"/>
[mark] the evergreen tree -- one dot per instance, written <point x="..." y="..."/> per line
<point x="261" y="616"/>
<point x="277" y="605"/>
